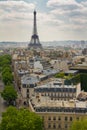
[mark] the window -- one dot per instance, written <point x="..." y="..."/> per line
<point x="71" y="119"/>
<point x="27" y="90"/>
<point x="54" y="118"/>
<point x="54" y="126"/>
<point x="59" y="118"/>
<point x="49" y="125"/>
<point x="49" y="118"/>
<point x="66" y="118"/>
<point x="24" y="85"/>
<point x="59" y="126"/>
<point x="27" y="95"/>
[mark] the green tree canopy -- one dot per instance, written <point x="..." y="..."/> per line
<point x="84" y="81"/>
<point x="22" y="119"/>
<point x="9" y="94"/>
<point x="7" y="77"/>
<point x="6" y="69"/>
<point x="60" y="75"/>
<point x="79" y="125"/>
<point x="5" y="59"/>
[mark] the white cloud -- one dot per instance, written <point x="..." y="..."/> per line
<point x="63" y="18"/>
<point x="62" y="7"/>
<point x="15" y="4"/>
<point x="48" y="20"/>
<point x="15" y="19"/>
<point x="68" y="11"/>
<point x="66" y="4"/>
<point x="84" y="3"/>
<point x="13" y="10"/>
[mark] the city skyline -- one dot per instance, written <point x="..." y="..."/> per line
<point x="56" y="19"/>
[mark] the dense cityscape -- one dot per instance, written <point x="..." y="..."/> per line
<point x="43" y="85"/>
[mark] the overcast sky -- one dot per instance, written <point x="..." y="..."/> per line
<point x="56" y="19"/>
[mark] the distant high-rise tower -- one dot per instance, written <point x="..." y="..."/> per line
<point x="34" y="43"/>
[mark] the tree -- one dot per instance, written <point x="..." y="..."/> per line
<point x="79" y="125"/>
<point x="9" y="94"/>
<point x="84" y="82"/>
<point x="6" y="69"/>
<point x="7" y="78"/>
<point x="60" y="75"/>
<point x="5" y="59"/>
<point x="76" y="79"/>
<point x="20" y="119"/>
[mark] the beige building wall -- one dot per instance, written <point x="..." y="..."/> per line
<point x="24" y="92"/>
<point x="60" y="121"/>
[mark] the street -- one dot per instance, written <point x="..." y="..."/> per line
<point x="2" y="103"/>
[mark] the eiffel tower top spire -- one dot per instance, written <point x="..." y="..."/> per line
<point x="34" y="43"/>
<point x="35" y="25"/>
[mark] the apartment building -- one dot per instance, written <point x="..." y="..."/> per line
<point x="57" y="105"/>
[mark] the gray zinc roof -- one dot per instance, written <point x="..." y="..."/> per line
<point x="29" y="80"/>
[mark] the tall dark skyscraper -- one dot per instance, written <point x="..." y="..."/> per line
<point x="34" y="43"/>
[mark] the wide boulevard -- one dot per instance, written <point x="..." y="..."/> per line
<point x="2" y="102"/>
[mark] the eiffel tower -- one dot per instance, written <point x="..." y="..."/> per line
<point x="34" y="43"/>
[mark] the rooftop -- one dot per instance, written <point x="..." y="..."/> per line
<point x="45" y="104"/>
<point x="29" y="80"/>
<point x="55" y="84"/>
<point x="50" y="71"/>
<point x="21" y="71"/>
<point x="71" y="71"/>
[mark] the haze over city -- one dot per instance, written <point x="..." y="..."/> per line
<point x="56" y="19"/>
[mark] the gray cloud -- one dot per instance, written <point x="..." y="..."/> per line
<point x="65" y="19"/>
<point x="12" y="10"/>
<point x="69" y="11"/>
